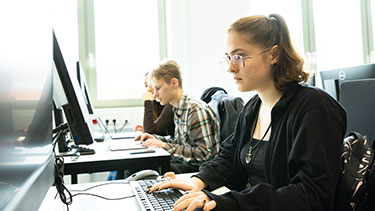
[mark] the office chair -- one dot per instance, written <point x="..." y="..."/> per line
<point x="227" y="108"/>
<point x="358" y="98"/>
<point x="207" y="94"/>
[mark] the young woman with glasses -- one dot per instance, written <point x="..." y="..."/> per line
<point x="285" y="151"/>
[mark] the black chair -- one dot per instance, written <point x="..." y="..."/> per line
<point x="358" y="98"/>
<point x="227" y="108"/>
<point x="207" y="94"/>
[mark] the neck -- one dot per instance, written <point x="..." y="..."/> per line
<point x="269" y="97"/>
<point x="177" y="99"/>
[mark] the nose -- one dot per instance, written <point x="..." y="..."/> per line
<point x="232" y="68"/>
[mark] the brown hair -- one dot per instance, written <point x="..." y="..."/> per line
<point x="167" y="71"/>
<point x="270" y="31"/>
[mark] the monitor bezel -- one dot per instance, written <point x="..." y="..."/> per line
<point x="75" y="111"/>
<point x="335" y="77"/>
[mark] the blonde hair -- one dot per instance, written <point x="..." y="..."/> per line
<point x="268" y="32"/>
<point x="167" y="71"/>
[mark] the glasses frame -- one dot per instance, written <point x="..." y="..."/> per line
<point x="240" y="61"/>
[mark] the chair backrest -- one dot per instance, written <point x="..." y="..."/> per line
<point x="358" y="98"/>
<point x="207" y="94"/>
<point x="356" y="178"/>
<point x="227" y="108"/>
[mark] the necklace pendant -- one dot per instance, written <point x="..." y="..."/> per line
<point x="249" y="156"/>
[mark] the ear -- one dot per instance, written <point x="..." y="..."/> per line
<point x="274" y="54"/>
<point x="175" y="82"/>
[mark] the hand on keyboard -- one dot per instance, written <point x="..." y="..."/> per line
<point x="168" y="199"/>
<point x="197" y="200"/>
<point x="159" y="201"/>
<point x="193" y="184"/>
<point x="169" y="175"/>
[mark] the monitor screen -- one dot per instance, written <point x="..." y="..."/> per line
<point x="75" y="110"/>
<point x="26" y="158"/>
<point x="332" y="79"/>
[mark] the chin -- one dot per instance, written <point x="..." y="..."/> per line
<point x="244" y="89"/>
<point x="241" y="89"/>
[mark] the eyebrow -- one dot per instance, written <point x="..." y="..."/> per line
<point x="236" y="50"/>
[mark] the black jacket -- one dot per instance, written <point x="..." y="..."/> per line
<point x="302" y="162"/>
<point x="164" y="124"/>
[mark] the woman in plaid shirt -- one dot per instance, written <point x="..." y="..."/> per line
<point x="197" y="131"/>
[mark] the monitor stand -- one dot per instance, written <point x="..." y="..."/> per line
<point x="74" y="150"/>
<point x="62" y="143"/>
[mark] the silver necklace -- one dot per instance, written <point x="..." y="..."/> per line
<point x="249" y="155"/>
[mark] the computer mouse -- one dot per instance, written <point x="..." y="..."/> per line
<point x="143" y="175"/>
<point x="99" y="139"/>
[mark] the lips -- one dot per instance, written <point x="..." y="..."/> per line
<point x="237" y="79"/>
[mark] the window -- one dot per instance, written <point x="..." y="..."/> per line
<point x="126" y="40"/>
<point x="338" y="33"/>
<point x="284" y="8"/>
<point x="372" y="38"/>
<point x="66" y="29"/>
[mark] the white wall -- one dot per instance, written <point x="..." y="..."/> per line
<point x="65" y="24"/>
<point x="197" y="34"/>
<point x="134" y="115"/>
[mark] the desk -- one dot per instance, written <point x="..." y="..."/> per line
<point x="106" y="160"/>
<point x="113" y="189"/>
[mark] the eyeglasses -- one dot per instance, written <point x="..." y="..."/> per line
<point x="238" y="60"/>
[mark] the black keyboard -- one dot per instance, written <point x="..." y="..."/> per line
<point x="158" y="201"/>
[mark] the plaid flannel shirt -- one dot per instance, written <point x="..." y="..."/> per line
<point x="197" y="132"/>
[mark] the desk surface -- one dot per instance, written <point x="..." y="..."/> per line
<point x="102" y="153"/>
<point x="106" y="160"/>
<point x="115" y="189"/>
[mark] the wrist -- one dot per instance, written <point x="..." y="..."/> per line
<point x="147" y="99"/>
<point x="198" y="183"/>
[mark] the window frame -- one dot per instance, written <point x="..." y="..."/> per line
<point x="367" y="31"/>
<point x="309" y="34"/>
<point x="87" y="51"/>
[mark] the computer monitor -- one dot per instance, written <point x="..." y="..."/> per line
<point x="332" y="79"/>
<point x="75" y="110"/>
<point x="84" y="88"/>
<point x="26" y="158"/>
